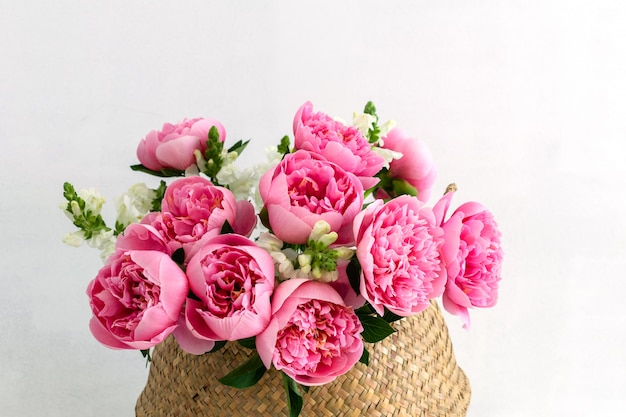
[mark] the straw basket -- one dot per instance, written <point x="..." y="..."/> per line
<point x="411" y="373"/>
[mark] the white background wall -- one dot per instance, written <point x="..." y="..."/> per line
<point x="522" y="103"/>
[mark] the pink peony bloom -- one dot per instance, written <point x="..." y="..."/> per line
<point x="473" y="257"/>
<point x="398" y="247"/>
<point x="305" y="188"/>
<point x="173" y="146"/>
<point x="232" y="279"/>
<point x="416" y="165"/>
<point x="138" y="236"/>
<point x="312" y="336"/>
<point x="136" y="299"/>
<point x="193" y="208"/>
<point x="341" y="144"/>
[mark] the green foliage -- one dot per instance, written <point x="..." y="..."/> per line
<point x="146" y="354"/>
<point x="87" y="221"/>
<point x="165" y="172"/>
<point x="354" y="275"/>
<point x="218" y="345"/>
<point x="375" y="328"/>
<point x="249" y="343"/>
<point x="373" y="134"/>
<point x="365" y="357"/>
<point x="294" y="396"/>
<point x="213" y="155"/>
<point x="246" y="374"/>
<point x="238" y="147"/>
<point x="283" y="147"/>
<point x="159" y="194"/>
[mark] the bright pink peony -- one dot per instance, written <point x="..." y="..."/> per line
<point x="305" y="188"/>
<point x="312" y="337"/>
<point x="136" y="299"/>
<point x="232" y="280"/>
<point x="416" y="165"/>
<point x="173" y="146"/>
<point x="341" y="144"/>
<point x="473" y="257"/>
<point x="398" y="247"/>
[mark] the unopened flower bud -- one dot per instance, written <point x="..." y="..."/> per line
<point x="328" y="239"/>
<point x="319" y="229"/>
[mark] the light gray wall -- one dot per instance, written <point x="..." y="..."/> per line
<point x="521" y="102"/>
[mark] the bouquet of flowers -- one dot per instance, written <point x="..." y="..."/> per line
<point x="301" y="258"/>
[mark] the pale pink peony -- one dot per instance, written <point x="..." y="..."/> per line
<point x="416" y="165"/>
<point x="473" y="257"/>
<point x="344" y="145"/>
<point x="232" y="280"/>
<point x="398" y="247"/>
<point x="136" y="299"/>
<point x="173" y="146"/>
<point x="305" y="188"/>
<point x="312" y="336"/>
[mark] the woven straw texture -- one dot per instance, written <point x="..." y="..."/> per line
<point x="411" y="373"/>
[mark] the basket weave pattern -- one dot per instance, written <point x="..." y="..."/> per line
<point x="411" y="373"/>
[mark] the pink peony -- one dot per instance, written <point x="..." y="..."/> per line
<point x="312" y="336"/>
<point x="473" y="257"/>
<point x="305" y="188"/>
<point x="398" y="247"/>
<point x="136" y="299"/>
<point x="173" y="146"/>
<point x="193" y="208"/>
<point x="416" y="165"/>
<point x="138" y="236"/>
<point x="341" y="144"/>
<point x="232" y="280"/>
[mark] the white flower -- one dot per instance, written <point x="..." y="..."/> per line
<point x="74" y="239"/>
<point x="386" y="127"/>
<point x="104" y="241"/>
<point x="363" y="122"/>
<point x="134" y="204"/>
<point x="93" y="200"/>
<point x="320" y="228"/>
<point x="269" y="242"/>
<point x="387" y="154"/>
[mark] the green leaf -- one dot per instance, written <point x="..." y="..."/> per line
<point x="294" y="396"/>
<point x="226" y="228"/>
<point x="158" y="197"/>
<point x="365" y="357"/>
<point x="213" y="154"/>
<point x="165" y="172"/>
<point x="249" y="343"/>
<point x="375" y="328"/>
<point x="370" y="109"/>
<point x="218" y="345"/>
<point x="179" y="256"/>
<point x="265" y="218"/>
<point x="283" y="147"/>
<point x="354" y="275"/>
<point x="401" y="187"/>
<point x="373" y="134"/>
<point x="390" y="317"/>
<point x="146" y="354"/>
<point x="365" y="310"/>
<point x="246" y="374"/>
<point x="239" y="146"/>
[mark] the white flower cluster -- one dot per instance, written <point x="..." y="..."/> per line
<point x="103" y="239"/>
<point x="287" y="259"/>
<point x="134" y="204"/>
